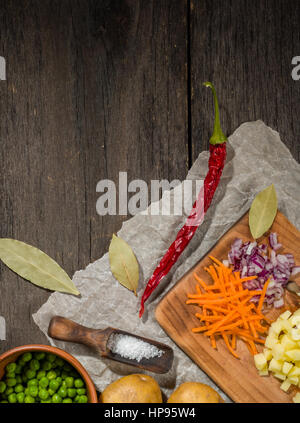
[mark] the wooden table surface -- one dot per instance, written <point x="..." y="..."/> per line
<point x="98" y="87"/>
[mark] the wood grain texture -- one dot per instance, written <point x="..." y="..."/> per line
<point x="237" y="377"/>
<point x="97" y="87"/>
<point x="93" y="88"/>
<point x="245" y="47"/>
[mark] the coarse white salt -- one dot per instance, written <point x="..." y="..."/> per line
<point x="132" y="348"/>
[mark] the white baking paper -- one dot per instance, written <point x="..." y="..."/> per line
<point x="256" y="158"/>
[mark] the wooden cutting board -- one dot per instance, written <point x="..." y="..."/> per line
<point x="237" y="377"/>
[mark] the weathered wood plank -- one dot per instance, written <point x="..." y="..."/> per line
<point x="93" y="88"/>
<point x="245" y="47"/>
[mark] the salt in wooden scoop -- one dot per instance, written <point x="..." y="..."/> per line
<point x="66" y="330"/>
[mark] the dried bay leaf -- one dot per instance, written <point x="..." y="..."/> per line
<point x="263" y="211"/>
<point x="35" y="266"/>
<point x="123" y="263"/>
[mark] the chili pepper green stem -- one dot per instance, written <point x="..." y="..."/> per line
<point x="218" y="136"/>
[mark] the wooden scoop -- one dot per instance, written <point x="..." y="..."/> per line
<point x="67" y="330"/>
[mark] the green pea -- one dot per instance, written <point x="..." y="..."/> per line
<point x="51" y="357"/>
<point x="21" y="362"/>
<point x="83" y="399"/>
<point x="56" y="398"/>
<point x="18" y="370"/>
<point x="11" y="382"/>
<point x="67" y="367"/>
<point x="62" y="392"/>
<point x="54" y="385"/>
<point x="76" y="399"/>
<point x="43" y="394"/>
<point x="34" y="365"/>
<point x="20" y="397"/>
<point x="69" y="382"/>
<point x="8" y="391"/>
<point x="78" y="383"/>
<point x="39" y="355"/>
<point x="81" y="391"/>
<point x="27" y="357"/>
<point x="64" y="384"/>
<point x="4" y="402"/>
<point x="59" y="361"/>
<point x="19" y="379"/>
<point x="46" y="401"/>
<point x="40" y="374"/>
<point x="59" y="379"/>
<point x="26" y="391"/>
<point x="19" y="388"/>
<point x="11" y="367"/>
<point x="33" y="382"/>
<point x="67" y="400"/>
<point x="64" y="374"/>
<point x="46" y="366"/>
<point x="12" y="398"/>
<point x="30" y="374"/>
<point x="44" y="382"/>
<point x="72" y="392"/>
<point x="33" y="391"/>
<point x="10" y="375"/>
<point x="51" y="392"/>
<point x="51" y="375"/>
<point x="29" y="399"/>
<point x="2" y="386"/>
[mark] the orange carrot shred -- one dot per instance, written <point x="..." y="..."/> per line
<point x="227" y="310"/>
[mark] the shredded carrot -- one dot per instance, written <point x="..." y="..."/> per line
<point x="227" y="310"/>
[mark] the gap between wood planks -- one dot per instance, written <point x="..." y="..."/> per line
<point x="189" y="83"/>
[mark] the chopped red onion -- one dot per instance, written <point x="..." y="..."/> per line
<point x="251" y="259"/>
<point x="274" y="244"/>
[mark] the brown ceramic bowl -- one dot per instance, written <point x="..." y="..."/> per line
<point x="12" y="355"/>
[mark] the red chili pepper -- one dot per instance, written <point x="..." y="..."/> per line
<point x="217" y="149"/>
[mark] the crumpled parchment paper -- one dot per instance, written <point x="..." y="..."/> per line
<point x="256" y="158"/>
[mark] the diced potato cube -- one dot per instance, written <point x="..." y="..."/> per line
<point x="268" y="354"/>
<point x="271" y="341"/>
<point x="278" y="351"/>
<point x="294" y="380"/>
<point x="287" y="325"/>
<point x="297" y="312"/>
<point x="276" y="327"/>
<point x="293" y="354"/>
<point x="285" y="385"/>
<point x="263" y="372"/>
<point x="285" y="315"/>
<point x="280" y="376"/>
<point x="296" y="398"/>
<point x="295" y="371"/>
<point x="295" y="320"/>
<point x="287" y="367"/>
<point x="275" y="365"/>
<point x="260" y="361"/>
<point x="288" y="343"/>
<point x="295" y="334"/>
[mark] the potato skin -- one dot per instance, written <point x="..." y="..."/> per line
<point x="136" y="388"/>
<point x="195" y="392"/>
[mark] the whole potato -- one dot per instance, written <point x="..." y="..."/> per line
<point x="194" y="392"/>
<point x="136" y="388"/>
